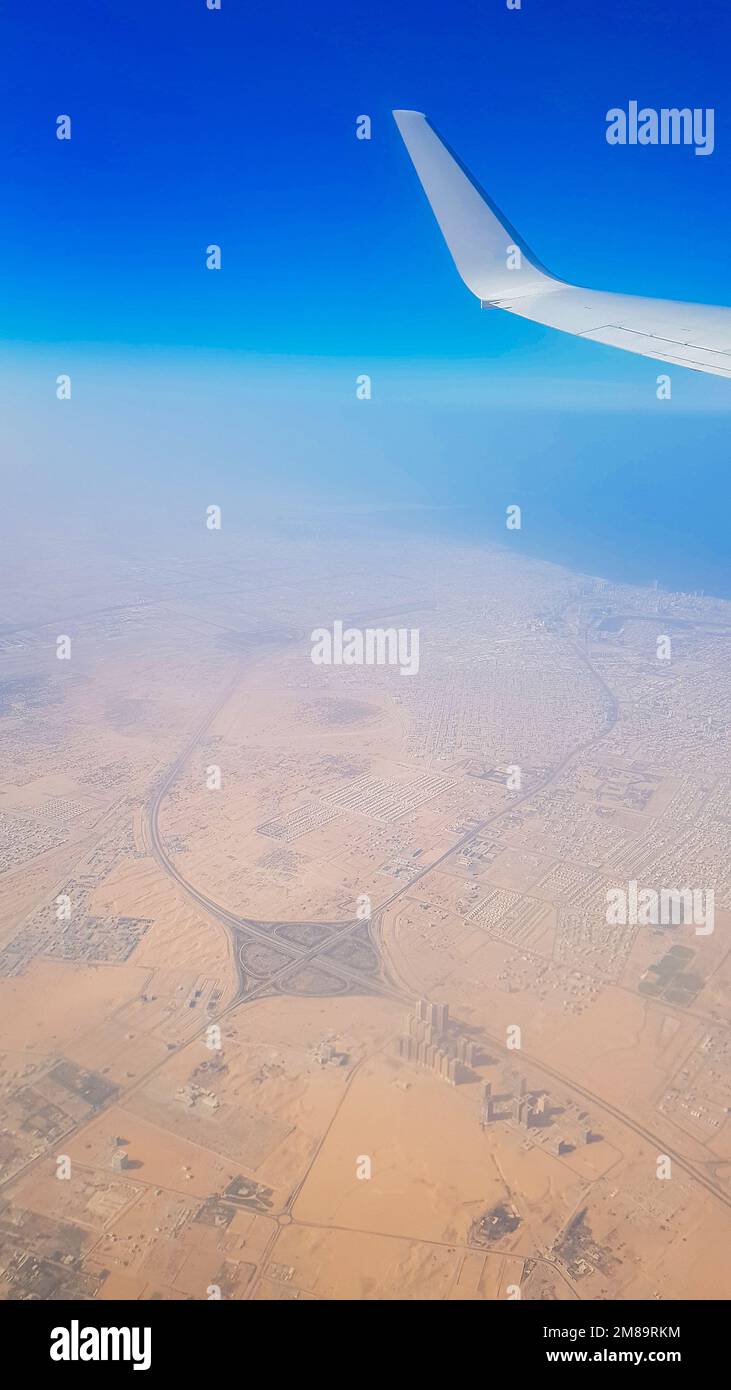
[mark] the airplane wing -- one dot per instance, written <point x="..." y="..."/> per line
<point x="501" y="270"/>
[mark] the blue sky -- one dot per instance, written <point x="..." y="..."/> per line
<point x="191" y="126"/>
<point x="238" y="127"/>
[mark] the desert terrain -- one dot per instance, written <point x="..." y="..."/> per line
<point x="307" y="987"/>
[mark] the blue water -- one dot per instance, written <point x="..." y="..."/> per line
<point x="617" y="496"/>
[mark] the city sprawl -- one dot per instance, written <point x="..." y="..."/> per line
<point x="326" y="979"/>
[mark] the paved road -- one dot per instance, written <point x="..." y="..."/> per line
<point x="245" y="930"/>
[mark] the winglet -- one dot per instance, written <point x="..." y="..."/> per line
<point x="489" y="254"/>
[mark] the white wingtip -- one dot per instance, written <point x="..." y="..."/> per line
<point x="490" y="256"/>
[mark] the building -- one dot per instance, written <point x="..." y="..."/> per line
<point x="521" y="1111"/>
<point x="427" y="1041"/>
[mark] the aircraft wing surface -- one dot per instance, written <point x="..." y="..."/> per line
<point x="501" y="270"/>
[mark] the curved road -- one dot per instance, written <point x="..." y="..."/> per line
<point x="261" y="931"/>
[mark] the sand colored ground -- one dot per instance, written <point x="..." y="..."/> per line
<point x="407" y="1122"/>
<point x="56" y="1002"/>
<point x="291" y="735"/>
<point x="157" y="1157"/>
<point x="621" y="1047"/>
<point x="273" y="1098"/>
<point x="93" y="1198"/>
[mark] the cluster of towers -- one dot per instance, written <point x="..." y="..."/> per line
<point x="532" y="1111"/>
<point x="517" y="1105"/>
<point x="427" y="1040"/>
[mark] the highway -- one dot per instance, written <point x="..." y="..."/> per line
<point x="243" y="930"/>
